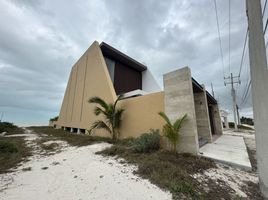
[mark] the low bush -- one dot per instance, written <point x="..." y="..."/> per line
<point x="231" y="125"/>
<point x="6" y="126"/>
<point x="54" y="119"/>
<point x="8" y="147"/>
<point x="13" y="150"/>
<point x="147" y="142"/>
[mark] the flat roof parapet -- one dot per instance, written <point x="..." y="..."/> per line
<point x="111" y="52"/>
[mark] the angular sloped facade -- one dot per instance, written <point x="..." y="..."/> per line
<point x="106" y="72"/>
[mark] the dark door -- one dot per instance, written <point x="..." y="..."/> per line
<point x="211" y="117"/>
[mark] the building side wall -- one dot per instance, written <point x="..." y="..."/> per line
<point x="89" y="77"/>
<point x="141" y="114"/>
<point x="217" y="119"/>
<point x="202" y="116"/>
<point x="79" y="87"/>
<point x="179" y="100"/>
<point x="63" y="110"/>
<point x="149" y="84"/>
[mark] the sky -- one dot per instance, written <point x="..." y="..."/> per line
<point x="40" y="40"/>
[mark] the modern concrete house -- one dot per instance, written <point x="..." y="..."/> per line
<point x="106" y="72"/>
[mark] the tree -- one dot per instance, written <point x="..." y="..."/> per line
<point x="54" y="119"/>
<point x="172" y="131"/>
<point x="112" y="116"/>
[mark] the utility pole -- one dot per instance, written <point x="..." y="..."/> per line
<point x="232" y="81"/>
<point x="238" y="116"/>
<point x="212" y="90"/>
<point x="259" y="79"/>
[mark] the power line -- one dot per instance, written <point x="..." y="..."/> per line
<point x="264" y="7"/>
<point x="266" y="24"/>
<point x="247" y="92"/>
<point x="246" y="85"/>
<point x="219" y="37"/>
<point x="243" y="53"/>
<point x="229" y="36"/>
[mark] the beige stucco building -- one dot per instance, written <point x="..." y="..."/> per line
<point x="106" y="72"/>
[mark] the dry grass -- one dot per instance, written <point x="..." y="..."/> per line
<point x="10" y="128"/>
<point x="13" y="150"/>
<point x="173" y="172"/>
<point x="49" y="133"/>
<point x="10" y="159"/>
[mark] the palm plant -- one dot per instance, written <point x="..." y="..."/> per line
<point x="112" y="116"/>
<point x="172" y="131"/>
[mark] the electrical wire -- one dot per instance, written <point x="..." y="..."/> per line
<point x="246" y="95"/>
<point x="219" y="37"/>
<point x="264" y="8"/>
<point x="229" y="36"/>
<point x="243" y="53"/>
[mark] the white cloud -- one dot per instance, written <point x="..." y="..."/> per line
<point x="41" y="40"/>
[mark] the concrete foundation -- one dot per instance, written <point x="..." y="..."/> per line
<point x="228" y="149"/>
<point x="179" y="100"/>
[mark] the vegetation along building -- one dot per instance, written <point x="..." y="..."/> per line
<point x="106" y="72"/>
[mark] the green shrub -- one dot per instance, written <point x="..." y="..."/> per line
<point x="231" y="125"/>
<point x="172" y="130"/>
<point x="6" y="126"/>
<point x="54" y="119"/>
<point x="8" y="147"/>
<point x="147" y="142"/>
<point x="184" y="187"/>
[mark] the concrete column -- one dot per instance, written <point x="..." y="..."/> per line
<point x="217" y="119"/>
<point x="226" y="122"/>
<point x="179" y="100"/>
<point x="78" y="131"/>
<point x="202" y="115"/>
<point x="64" y="128"/>
<point x="72" y="130"/>
<point x="259" y="78"/>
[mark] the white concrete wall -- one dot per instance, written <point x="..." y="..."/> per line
<point x="259" y="77"/>
<point x="149" y="83"/>
<point x="179" y="100"/>
<point x="202" y="115"/>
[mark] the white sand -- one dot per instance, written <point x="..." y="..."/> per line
<point x="77" y="173"/>
<point x="234" y="177"/>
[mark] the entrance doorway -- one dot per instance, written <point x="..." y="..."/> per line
<point x="211" y="119"/>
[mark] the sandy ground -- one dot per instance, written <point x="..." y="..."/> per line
<point x="76" y="173"/>
<point x="234" y="177"/>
